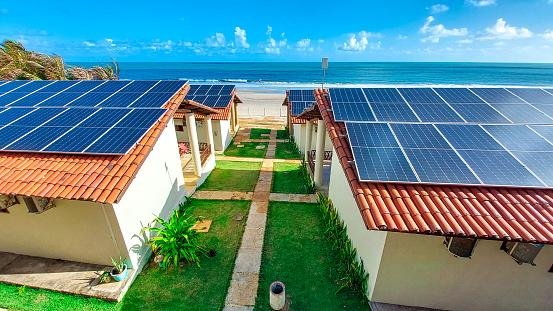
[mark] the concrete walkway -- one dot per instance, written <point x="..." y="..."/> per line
<point x="248" y="196"/>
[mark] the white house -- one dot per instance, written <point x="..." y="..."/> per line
<point x="442" y="247"/>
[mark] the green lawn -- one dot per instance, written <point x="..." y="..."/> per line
<point x="287" y="150"/>
<point x="248" y="151"/>
<point x="290" y="178"/>
<point x="282" y="134"/>
<point x="233" y="176"/>
<point x="190" y="288"/>
<point x="297" y="253"/>
<point x="255" y="133"/>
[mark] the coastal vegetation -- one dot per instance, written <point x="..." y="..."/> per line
<point x="18" y="63"/>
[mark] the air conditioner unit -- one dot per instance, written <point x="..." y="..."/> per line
<point x="522" y="252"/>
<point x="460" y="247"/>
<point x="38" y="205"/>
<point x="6" y="201"/>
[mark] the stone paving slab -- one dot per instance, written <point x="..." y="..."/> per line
<point x="296" y="198"/>
<point x="243" y="289"/>
<point x="248" y="260"/>
<point x="243" y="159"/>
<point x="222" y="195"/>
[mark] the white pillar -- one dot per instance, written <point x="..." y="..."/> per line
<point x="308" y="138"/>
<point x="194" y="145"/>
<point x="320" y="152"/>
<point x="209" y="129"/>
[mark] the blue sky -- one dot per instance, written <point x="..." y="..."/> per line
<point x="284" y="30"/>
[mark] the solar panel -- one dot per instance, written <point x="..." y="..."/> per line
<point x="214" y="96"/>
<point x="420" y="96"/>
<point x="57" y="86"/>
<point x="399" y="112"/>
<point x="31" y="99"/>
<point x="165" y="86"/>
<point x="91" y="99"/>
<point x="468" y="137"/>
<point x="111" y="86"/>
<point x="70" y="117"/>
<point x="105" y="118"/>
<point x="60" y="99"/>
<point x="546" y="131"/>
<point x="33" y="86"/>
<point x="480" y="113"/>
<point x="298" y="107"/>
<point x="419" y="136"/>
<point x="382" y="164"/>
<point x="518" y="138"/>
<point x="522" y="113"/>
<point x="138" y="86"/>
<point x="8" y="98"/>
<point x="295" y="96"/>
<point x="499" y="168"/>
<point x="545" y="108"/>
<point x="9" y="134"/>
<point x="85" y="86"/>
<point x="497" y="95"/>
<point x="120" y="100"/>
<point x="152" y="100"/>
<point x="38" y="117"/>
<point x="383" y="95"/>
<point x="458" y="95"/>
<point x="11" y="85"/>
<point x="436" y="113"/>
<point x="37" y="139"/>
<point x="10" y="115"/>
<point x="371" y="135"/>
<point x="440" y="166"/>
<point x="141" y="118"/>
<point x="344" y="95"/>
<point x="76" y="140"/>
<point x="533" y="96"/>
<point x="117" y="140"/>
<point x="352" y="111"/>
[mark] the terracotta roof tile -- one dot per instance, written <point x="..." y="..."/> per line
<point x="518" y="214"/>
<point x="80" y="177"/>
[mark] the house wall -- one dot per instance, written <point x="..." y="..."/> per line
<point x="369" y="244"/>
<point x="299" y="137"/>
<point x="417" y="270"/>
<point x="156" y="190"/>
<point x="221" y="133"/>
<point x="72" y="230"/>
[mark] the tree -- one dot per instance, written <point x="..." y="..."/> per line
<point x="17" y="63"/>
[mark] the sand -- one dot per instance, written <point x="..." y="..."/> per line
<point x="262" y="107"/>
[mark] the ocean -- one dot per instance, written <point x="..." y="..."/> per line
<point x="278" y="76"/>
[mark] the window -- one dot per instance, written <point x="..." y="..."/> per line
<point x="179" y="128"/>
<point x="460" y="247"/>
<point x="522" y="252"/>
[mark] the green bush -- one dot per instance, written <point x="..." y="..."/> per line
<point x="175" y="240"/>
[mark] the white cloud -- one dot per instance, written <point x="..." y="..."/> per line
<point x="402" y="37"/>
<point x="89" y="44"/>
<point x="272" y="46"/>
<point x="166" y="45"/>
<point x="110" y="42"/>
<point x="433" y="33"/>
<point x="240" y="38"/>
<point x="480" y="3"/>
<point x="465" y="41"/>
<point x="304" y="45"/>
<point x="503" y="31"/>
<point x="359" y="42"/>
<point x="217" y="40"/>
<point x="548" y="34"/>
<point x="438" y="8"/>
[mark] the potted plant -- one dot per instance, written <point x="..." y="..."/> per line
<point x="120" y="270"/>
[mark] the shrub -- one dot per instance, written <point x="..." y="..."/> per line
<point x="175" y="240"/>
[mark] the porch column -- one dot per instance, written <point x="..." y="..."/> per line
<point x="209" y="129"/>
<point x="235" y="114"/>
<point x="194" y="145"/>
<point x="232" y="119"/>
<point x="308" y="138"/>
<point x="320" y="152"/>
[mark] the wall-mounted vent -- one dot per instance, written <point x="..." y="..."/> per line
<point x="6" y="201"/>
<point x="522" y="252"/>
<point x="460" y="247"/>
<point x="38" y="205"/>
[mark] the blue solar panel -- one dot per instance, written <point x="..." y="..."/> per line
<point x="60" y="99"/>
<point x="223" y="101"/>
<point x="544" y="130"/>
<point x="76" y="140"/>
<point x="215" y="90"/>
<point x="541" y="163"/>
<point x="499" y="168"/>
<point x="497" y="95"/>
<point x="420" y="96"/>
<point x="89" y="99"/>
<point x="347" y="96"/>
<point x="152" y="100"/>
<point x="382" y="164"/>
<point x="534" y="96"/>
<point x="203" y="89"/>
<point x="298" y="107"/>
<point x="31" y="99"/>
<point x="70" y="117"/>
<point x="105" y="118"/>
<point x="458" y="95"/>
<point x="33" y="86"/>
<point x="9" y="134"/>
<point x="419" y="136"/>
<point x="436" y="113"/>
<point x="37" y="139"/>
<point x="120" y="100"/>
<point x="479" y="113"/>
<point x="12" y="85"/>
<point x="352" y="111"/>
<point x="228" y="89"/>
<point x="545" y="108"/>
<point x="370" y="135"/>
<point x="383" y="95"/>
<point x="295" y="96"/>
<point x="518" y="138"/>
<point x="168" y="86"/>
<point x="399" y="112"/>
<point x="117" y="140"/>
<point x="440" y="166"/>
<point x="85" y="86"/>
<point x="464" y="136"/>
<point x="141" y="118"/>
<point x="57" y="86"/>
<point x="138" y="86"/>
<point x="38" y="117"/>
<point x="12" y="114"/>
<point x="522" y="113"/>
<point x="8" y="98"/>
<point x="193" y="89"/>
<point x="111" y="86"/>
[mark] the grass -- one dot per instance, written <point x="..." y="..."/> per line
<point x="190" y="288"/>
<point x="282" y="134"/>
<point x="233" y="176"/>
<point x="195" y="288"/>
<point x="287" y="150"/>
<point x="290" y="178"/>
<point x="297" y="253"/>
<point x="255" y="133"/>
<point x="248" y="151"/>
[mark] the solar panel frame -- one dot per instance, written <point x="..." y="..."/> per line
<point x="533" y="95"/>
<point x="440" y="166"/>
<point x="152" y="100"/>
<point x="378" y="135"/>
<point x="141" y="118"/>
<point x="382" y="164"/>
<point x="420" y="96"/>
<point x="458" y="96"/>
<point x="352" y="111"/>
<point x="522" y="113"/>
<point x="419" y="136"/>
<point x="540" y="163"/>
<point x="117" y="140"/>
<point x="518" y="138"/>
<point x="9" y="134"/>
<point x="383" y="95"/>
<point x="480" y="113"/>
<point x="347" y="95"/>
<point x="37" y="139"/>
<point x="11" y="86"/>
<point x="38" y="117"/>
<point x="398" y="112"/>
<point x="12" y="114"/>
<point x="497" y="96"/>
<point x="105" y="117"/>
<point x="436" y="113"/>
<point x="168" y="86"/>
<point x="468" y="137"/>
<point x="76" y="140"/>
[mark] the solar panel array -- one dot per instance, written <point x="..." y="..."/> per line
<point x="461" y="136"/>
<point x="300" y="100"/>
<point x="211" y="95"/>
<point x="92" y="117"/>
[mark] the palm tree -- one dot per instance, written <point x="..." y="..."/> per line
<point x="17" y="63"/>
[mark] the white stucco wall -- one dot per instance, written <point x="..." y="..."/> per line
<point x="221" y="133"/>
<point x="299" y="137"/>
<point x="369" y="244"/>
<point x="417" y="270"/>
<point x="155" y="191"/>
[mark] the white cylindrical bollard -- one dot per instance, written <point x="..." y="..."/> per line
<point x="277" y="295"/>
